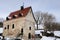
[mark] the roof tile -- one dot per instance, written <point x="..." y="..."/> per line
<point x="24" y="12"/>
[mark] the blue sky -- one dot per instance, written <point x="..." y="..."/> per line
<point x="50" y="6"/>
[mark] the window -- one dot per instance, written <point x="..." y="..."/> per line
<point x="7" y="26"/>
<point x="12" y="26"/>
<point x="29" y="28"/>
<point x="14" y="16"/>
<point x="29" y="35"/>
<point x="20" y="14"/>
<point x="7" y="18"/>
<point x="22" y="31"/>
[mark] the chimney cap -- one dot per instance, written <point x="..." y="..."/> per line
<point x="22" y="7"/>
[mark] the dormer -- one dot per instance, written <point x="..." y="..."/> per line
<point x="13" y="16"/>
<point x="7" y="18"/>
<point x="20" y="15"/>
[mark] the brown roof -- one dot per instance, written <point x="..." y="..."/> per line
<point x="24" y="12"/>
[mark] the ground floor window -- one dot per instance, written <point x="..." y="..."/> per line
<point x="22" y="31"/>
<point x="29" y="36"/>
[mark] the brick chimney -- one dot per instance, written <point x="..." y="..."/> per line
<point x="22" y="7"/>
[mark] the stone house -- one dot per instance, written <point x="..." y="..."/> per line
<point x="20" y="23"/>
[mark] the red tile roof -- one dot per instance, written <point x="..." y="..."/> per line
<point x="24" y="12"/>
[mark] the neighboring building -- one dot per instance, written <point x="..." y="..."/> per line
<point x="20" y="24"/>
<point x="1" y="28"/>
<point x="1" y="32"/>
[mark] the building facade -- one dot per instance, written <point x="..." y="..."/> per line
<point x="20" y="24"/>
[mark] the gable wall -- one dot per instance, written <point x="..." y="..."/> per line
<point x="29" y="22"/>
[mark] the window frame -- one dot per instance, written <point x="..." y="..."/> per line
<point x="7" y="26"/>
<point x="4" y="27"/>
<point x="30" y="28"/>
<point x="12" y="26"/>
<point x="29" y="36"/>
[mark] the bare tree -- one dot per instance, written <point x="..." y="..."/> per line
<point x="48" y="21"/>
<point x="38" y="18"/>
<point x="44" y="18"/>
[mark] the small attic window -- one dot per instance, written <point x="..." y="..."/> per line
<point x="20" y="14"/>
<point x="13" y="26"/>
<point x="14" y="16"/>
<point x="7" y="18"/>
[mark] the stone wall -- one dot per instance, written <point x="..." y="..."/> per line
<point x="19" y="23"/>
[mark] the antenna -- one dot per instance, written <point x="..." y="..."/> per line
<point x="23" y="4"/>
<point x="22" y="7"/>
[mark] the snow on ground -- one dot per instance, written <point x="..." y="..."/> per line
<point x="49" y="38"/>
<point x="39" y="32"/>
<point x="57" y="39"/>
<point x="57" y="33"/>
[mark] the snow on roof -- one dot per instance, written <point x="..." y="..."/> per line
<point x="23" y="12"/>
<point x="1" y="30"/>
<point x="57" y="33"/>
